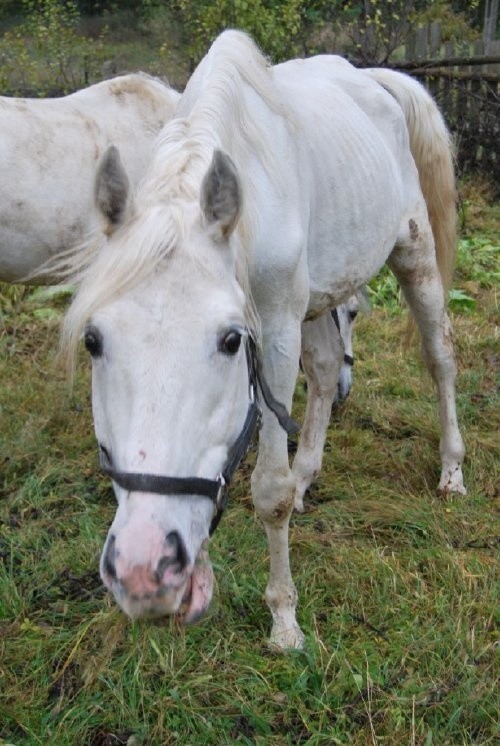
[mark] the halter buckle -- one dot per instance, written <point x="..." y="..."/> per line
<point x="222" y="494"/>
<point x="220" y="503"/>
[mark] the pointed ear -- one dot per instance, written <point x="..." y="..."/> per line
<point x="221" y="197"/>
<point x="112" y="188"/>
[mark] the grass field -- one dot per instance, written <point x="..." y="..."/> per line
<point x="398" y="588"/>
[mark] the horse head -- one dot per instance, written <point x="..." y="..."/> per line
<point x="172" y="388"/>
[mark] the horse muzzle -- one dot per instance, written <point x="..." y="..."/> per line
<point x="164" y="585"/>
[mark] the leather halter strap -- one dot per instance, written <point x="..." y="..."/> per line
<point x="214" y="489"/>
<point x="348" y="359"/>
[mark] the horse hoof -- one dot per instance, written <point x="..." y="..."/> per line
<point x="291" y="638"/>
<point x="452" y="482"/>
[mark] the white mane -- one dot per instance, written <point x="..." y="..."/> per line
<point x="211" y="114"/>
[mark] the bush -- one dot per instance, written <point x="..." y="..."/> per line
<point x="273" y="25"/>
<point x="44" y="54"/>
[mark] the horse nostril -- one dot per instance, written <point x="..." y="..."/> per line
<point x="174" y="541"/>
<point x="176" y="558"/>
<point x="109" y="558"/>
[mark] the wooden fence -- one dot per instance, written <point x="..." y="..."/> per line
<point x="466" y="85"/>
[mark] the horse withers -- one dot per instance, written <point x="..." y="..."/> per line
<point x="273" y="195"/>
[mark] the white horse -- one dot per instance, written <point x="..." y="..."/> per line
<point x="272" y="196"/>
<point x="50" y="150"/>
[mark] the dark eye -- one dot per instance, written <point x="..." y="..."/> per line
<point x="230" y="342"/>
<point x="352" y="315"/>
<point x="105" y="455"/>
<point x="93" y="341"/>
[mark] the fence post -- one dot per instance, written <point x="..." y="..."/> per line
<point x="494" y="48"/>
<point x="490" y="24"/>
<point x="410" y="47"/>
<point x="421" y="42"/>
<point x="435" y="37"/>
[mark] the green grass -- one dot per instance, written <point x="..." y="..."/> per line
<point x="398" y="588"/>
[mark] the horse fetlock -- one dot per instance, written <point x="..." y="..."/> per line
<point x="285" y="632"/>
<point x="282" y="598"/>
<point x="300" y="491"/>
<point x="306" y="468"/>
<point x="298" y="503"/>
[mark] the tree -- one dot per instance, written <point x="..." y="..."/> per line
<point x="45" y="53"/>
<point x="377" y="27"/>
<point x="273" y="24"/>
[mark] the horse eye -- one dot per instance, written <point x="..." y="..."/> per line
<point x="230" y="342"/>
<point x="93" y="341"/>
<point x="105" y="453"/>
<point x="352" y="315"/>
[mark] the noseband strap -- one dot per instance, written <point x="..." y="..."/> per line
<point x="214" y="489"/>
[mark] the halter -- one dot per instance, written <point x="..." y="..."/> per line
<point x="215" y="489"/>
<point x="347" y="358"/>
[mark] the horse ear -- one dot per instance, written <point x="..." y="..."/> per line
<point x="221" y="194"/>
<point x="112" y="188"/>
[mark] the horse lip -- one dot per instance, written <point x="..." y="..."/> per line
<point x="183" y="611"/>
<point x="186" y="617"/>
<point x="190" y="619"/>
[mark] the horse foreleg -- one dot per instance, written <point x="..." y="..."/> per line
<point x="415" y="267"/>
<point x="322" y="354"/>
<point x="273" y="487"/>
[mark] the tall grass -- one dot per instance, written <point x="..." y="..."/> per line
<point x="398" y="588"/>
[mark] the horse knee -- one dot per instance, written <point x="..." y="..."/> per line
<point x="273" y="496"/>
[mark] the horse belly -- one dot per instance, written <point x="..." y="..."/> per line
<point x="356" y="209"/>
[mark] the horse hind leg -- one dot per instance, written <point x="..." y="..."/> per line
<point x="413" y="261"/>
<point x="322" y="353"/>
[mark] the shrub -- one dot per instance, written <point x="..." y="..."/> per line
<point x="44" y="53"/>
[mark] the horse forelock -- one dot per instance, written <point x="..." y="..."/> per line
<point x="136" y="252"/>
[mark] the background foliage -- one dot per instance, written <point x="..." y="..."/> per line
<point x="47" y="45"/>
<point x="45" y="51"/>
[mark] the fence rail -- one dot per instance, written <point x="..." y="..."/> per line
<point x="485" y="59"/>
